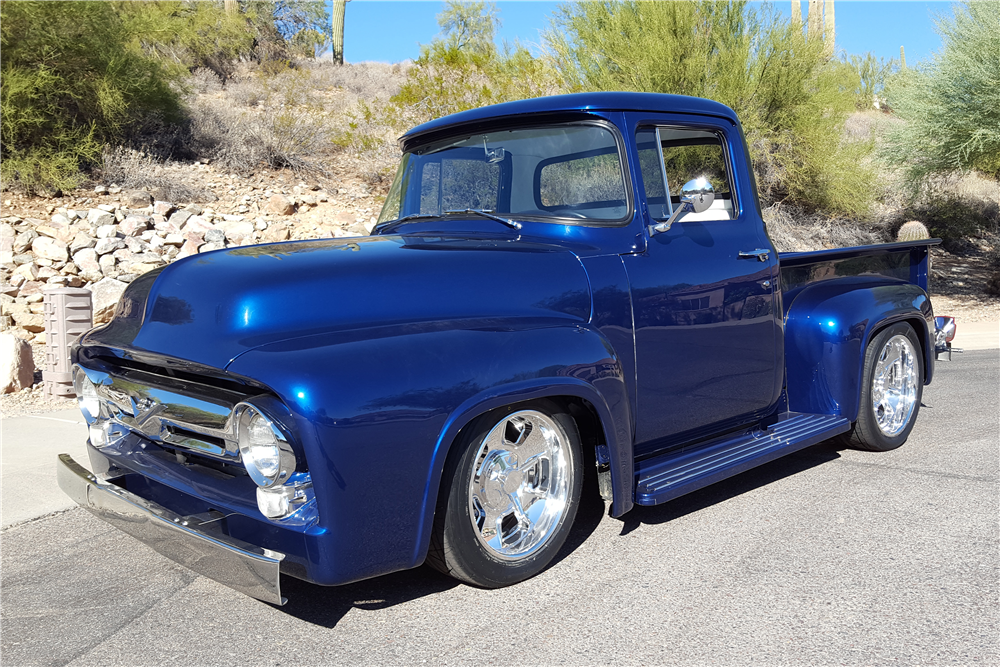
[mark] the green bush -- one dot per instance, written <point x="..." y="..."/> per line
<point x="791" y="99"/>
<point x="952" y="104"/>
<point x="462" y="69"/>
<point x="72" y="81"/>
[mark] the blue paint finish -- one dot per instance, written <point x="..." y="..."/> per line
<point x="376" y="456"/>
<point x="376" y="352"/>
<point x="827" y="328"/>
<point x="211" y="308"/>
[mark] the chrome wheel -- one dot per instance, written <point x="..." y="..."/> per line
<point x="894" y="385"/>
<point x="521" y="480"/>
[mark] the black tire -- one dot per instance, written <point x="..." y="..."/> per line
<point x="458" y="547"/>
<point x="870" y="432"/>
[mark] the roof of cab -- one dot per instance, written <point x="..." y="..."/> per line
<point x="578" y="102"/>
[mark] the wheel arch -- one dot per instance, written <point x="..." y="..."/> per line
<point x="599" y="430"/>
<point x="828" y="328"/>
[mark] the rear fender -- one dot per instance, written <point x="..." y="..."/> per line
<point x="829" y="325"/>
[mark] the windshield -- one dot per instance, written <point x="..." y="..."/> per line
<point x="556" y="172"/>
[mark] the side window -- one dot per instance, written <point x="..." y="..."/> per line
<point x="686" y="155"/>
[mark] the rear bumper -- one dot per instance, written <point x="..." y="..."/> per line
<point x="251" y="570"/>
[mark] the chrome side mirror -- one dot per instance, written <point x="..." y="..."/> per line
<point x="697" y="195"/>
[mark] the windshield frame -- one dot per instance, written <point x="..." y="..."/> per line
<point x="466" y="132"/>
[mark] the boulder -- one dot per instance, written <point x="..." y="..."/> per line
<point x="81" y="241"/>
<point x="163" y="208"/>
<point x="137" y="199"/>
<point x="215" y="236"/>
<point x="274" y="234"/>
<point x="50" y="248"/>
<point x="17" y="367"/>
<point x="178" y="218"/>
<point x="87" y="260"/>
<point x="97" y="217"/>
<point x="107" y="232"/>
<point x="24" y="318"/>
<point x="196" y="223"/>
<point x="189" y="248"/>
<point x="280" y="205"/>
<point x="24" y="241"/>
<point x="134" y="225"/>
<point x="104" y="246"/>
<point x="105" y="295"/>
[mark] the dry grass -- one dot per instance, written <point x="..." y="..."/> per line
<point x="135" y="170"/>
<point x="367" y="81"/>
<point x="794" y="230"/>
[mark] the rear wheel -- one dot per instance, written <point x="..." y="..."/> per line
<point x="893" y="385"/>
<point x="509" y="497"/>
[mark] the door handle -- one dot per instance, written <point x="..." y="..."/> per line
<point x="760" y="253"/>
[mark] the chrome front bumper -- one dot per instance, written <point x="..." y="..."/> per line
<point x="243" y="567"/>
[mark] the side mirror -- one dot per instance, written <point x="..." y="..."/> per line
<point x="696" y="195"/>
<point x="699" y="193"/>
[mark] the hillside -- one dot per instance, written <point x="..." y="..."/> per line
<point x="303" y="154"/>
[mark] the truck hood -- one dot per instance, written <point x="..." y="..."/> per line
<point x="210" y="308"/>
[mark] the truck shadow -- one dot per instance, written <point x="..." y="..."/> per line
<point x="326" y="606"/>
<point x="755" y="478"/>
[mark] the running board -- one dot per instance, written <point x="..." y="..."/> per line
<point x="671" y="475"/>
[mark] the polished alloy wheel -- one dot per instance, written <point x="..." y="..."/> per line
<point x="894" y="387"/>
<point x="520" y="484"/>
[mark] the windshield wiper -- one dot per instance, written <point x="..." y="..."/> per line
<point x="487" y="214"/>
<point x="413" y="216"/>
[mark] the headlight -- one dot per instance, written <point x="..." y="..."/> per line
<point x="266" y="453"/>
<point x="86" y="395"/>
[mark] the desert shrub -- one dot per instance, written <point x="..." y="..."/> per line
<point x="952" y="104"/>
<point x="871" y="74"/>
<point x="204" y="80"/>
<point x="954" y="214"/>
<point x="189" y="35"/>
<point x="794" y="229"/>
<point x="462" y="69"/>
<point x="244" y="140"/>
<point x="71" y="82"/>
<point x="368" y="80"/>
<point x="792" y="100"/>
<point x="134" y="169"/>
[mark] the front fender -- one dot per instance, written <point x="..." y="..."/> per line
<point x="827" y="329"/>
<point x="378" y="411"/>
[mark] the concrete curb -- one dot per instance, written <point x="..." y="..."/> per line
<point x="30" y="445"/>
<point x="977" y="335"/>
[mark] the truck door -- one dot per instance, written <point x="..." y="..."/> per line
<point x="707" y="327"/>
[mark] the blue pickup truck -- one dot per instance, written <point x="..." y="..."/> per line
<point x="556" y="288"/>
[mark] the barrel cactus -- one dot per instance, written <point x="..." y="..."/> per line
<point x="912" y="231"/>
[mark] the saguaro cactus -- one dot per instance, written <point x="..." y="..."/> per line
<point x="829" y="30"/>
<point x="337" y="30"/>
<point x="797" y="13"/>
<point x="815" y="19"/>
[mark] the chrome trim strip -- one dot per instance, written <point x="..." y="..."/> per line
<point x="246" y="568"/>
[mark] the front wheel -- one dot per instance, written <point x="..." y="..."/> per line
<point x="509" y="497"/>
<point x="893" y="385"/>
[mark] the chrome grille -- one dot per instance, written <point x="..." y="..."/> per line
<point x="175" y="412"/>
